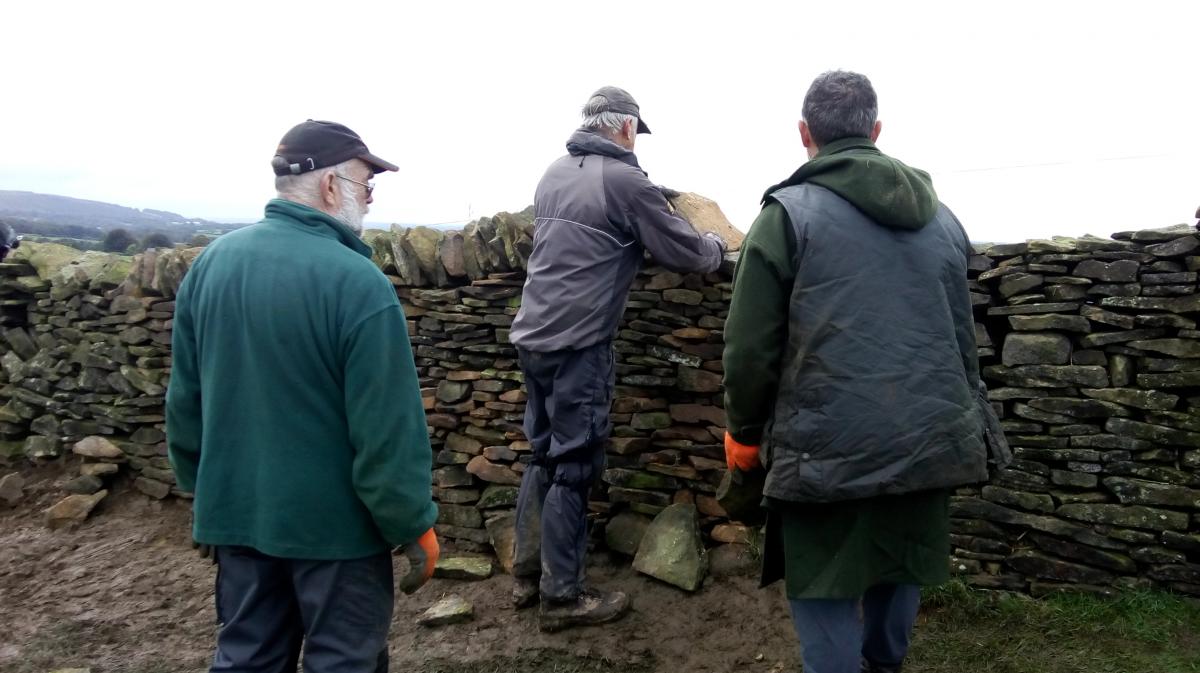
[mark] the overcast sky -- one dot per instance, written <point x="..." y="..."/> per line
<point x="1034" y="118"/>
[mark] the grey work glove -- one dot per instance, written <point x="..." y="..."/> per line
<point x="667" y="192"/>
<point x="720" y="241"/>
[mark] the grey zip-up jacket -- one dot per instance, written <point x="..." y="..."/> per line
<point x="595" y="213"/>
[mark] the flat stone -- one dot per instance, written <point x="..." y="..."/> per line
<point x="72" y="510"/>
<point x="1078" y="408"/>
<point x="1176" y="248"/>
<point x="1180" y="348"/>
<point x="1153" y="433"/>
<point x="672" y="549"/>
<point x="463" y="516"/>
<point x="1035" y="502"/>
<point x="698" y="413"/>
<point x="152" y="487"/>
<point x="1120" y="271"/>
<point x="97" y="447"/>
<point x="463" y="444"/>
<point x="1132" y="516"/>
<point x="625" y="531"/>
<point x="698" y="380"/>
<point x="1040" y="565"/>
<point x="502" y="534"/>
<point x="1025" y="309"/>
<point x="452" y="392"/>
<point x="1140" y="492"/>
<point x="1017" y="283"/>
<point x="1172" y="380"/>
<point x="452" y="609"/>
<point x="470" y="568"/>
<point x="12" y="488"/>
<point x="1133" y="397"/>
<point x="491" y="472"/>
<point x="1096" y="314"/>
<point x="1049" y="376"/>
<point x="732" y="533"/>
<point x="84" y="485"/>
<point x="1109" y="560"/>
<point x="496" y="495"/>
<point x="1097" y="339"/>
<point x="38" y="447"/>
<point x="625" y="478"/>
<point x="733" y="560"/>
<point x="686" y="297"/>
<point x="654" y="420"/>
<point x="1027" y="349"/>
<point x="1052" y="321"/>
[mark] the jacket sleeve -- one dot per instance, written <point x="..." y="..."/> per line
<point x="756" y="332"/>
<point x="674" y="243"/>
<point x="184" y="424"/>
<point x="964" y="317"/>
<point x="392" y="455"/>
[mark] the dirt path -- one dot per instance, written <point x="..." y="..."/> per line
<point x="125" y="592"/>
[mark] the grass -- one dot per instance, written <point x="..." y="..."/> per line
<point x="964" y="629"/>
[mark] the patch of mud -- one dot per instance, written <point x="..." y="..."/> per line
<point x="125" y="592"/>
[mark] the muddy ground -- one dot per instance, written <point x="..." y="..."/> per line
<point x="126" y="592"/>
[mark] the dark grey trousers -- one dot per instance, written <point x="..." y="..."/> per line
<point x="837" y="634"/>
<point x="269" y="607"/>
<point x="567" y="423"/>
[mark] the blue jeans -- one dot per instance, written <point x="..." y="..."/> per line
<point x="269" y="607"/>
<point x="567" y="423"/>
<point x="834" y="639"/>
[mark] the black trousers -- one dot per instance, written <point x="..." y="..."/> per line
<point x="272" y="609"/>
<point x="567" y="423"/>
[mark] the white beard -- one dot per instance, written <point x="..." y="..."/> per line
<point x="350" y="214"/>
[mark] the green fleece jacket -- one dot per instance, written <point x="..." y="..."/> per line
<point x="293" y="410"/>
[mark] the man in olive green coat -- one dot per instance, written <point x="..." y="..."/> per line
<point x="851" y="377"/>
<point x="294" y="414"/>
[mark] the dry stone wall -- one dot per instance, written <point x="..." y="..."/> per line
<point x="1089" y="346"/>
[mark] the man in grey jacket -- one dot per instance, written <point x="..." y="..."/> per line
<point x="595" y="213"/>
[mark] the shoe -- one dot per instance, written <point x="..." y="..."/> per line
<point x="868" y="667"/>
<point x="525" y="592"/>
<point x="592" y="606"/>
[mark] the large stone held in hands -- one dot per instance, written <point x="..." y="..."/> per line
<point x="672" y="550"/>
<point x="705" y="215"/>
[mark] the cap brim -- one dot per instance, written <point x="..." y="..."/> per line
<point x="377" y="164"/>
<point x="642" y="128"/>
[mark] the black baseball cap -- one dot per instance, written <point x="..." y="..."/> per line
<point x="317" y="144"/>
<point x="619" y="101"/>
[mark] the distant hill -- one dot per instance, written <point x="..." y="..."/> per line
<point x="69" y="219"/>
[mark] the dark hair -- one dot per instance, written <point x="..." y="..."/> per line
<point x="840" y="104"/>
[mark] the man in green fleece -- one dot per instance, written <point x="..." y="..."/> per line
<point x="294" y="415"/>
<point x="850" y="375"/>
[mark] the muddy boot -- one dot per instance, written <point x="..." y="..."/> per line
<point x="591" y="607"/>
<point x="525" y="592"/>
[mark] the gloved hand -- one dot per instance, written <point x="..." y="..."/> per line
<point x="720" y="241"/>
<point x="422" y="555"/>
<point x="204" y="550"/>
<point x="739" y="455"/>
<point x="667" y="192"/>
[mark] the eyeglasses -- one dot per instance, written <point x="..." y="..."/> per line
<point x="370" y="187"/>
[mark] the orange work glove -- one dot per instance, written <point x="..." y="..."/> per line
<point x="739" y="455"/>
<point x="429" y="544"/>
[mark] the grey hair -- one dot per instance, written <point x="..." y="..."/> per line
<point x="597" y="118"/>
<point x="303" y="188"/>
<point x="840" y="104"/>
